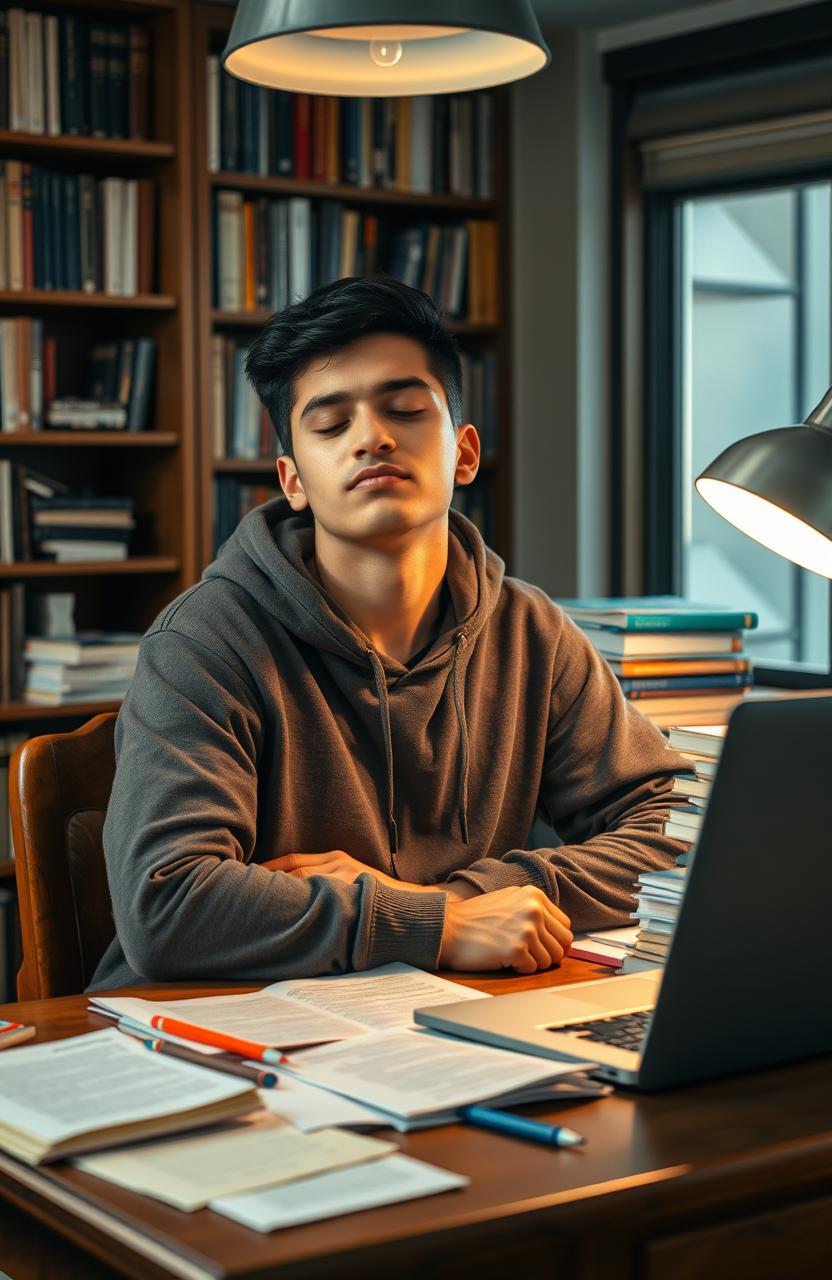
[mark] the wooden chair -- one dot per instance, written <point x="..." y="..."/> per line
<point x="59" y="787"/>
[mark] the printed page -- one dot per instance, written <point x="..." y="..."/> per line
<point x="266" y="1019"/>
<point x="258" y="1152"/>
<point x="377" y="998"/>
<point x="383" y="1182"/>
<point x="95" y="1081"/>
<point x="413" y="1073"/>
<point x="309" y="1108"/>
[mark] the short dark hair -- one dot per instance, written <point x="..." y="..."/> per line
<point x="332" y="317"/>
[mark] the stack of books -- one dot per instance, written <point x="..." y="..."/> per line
<point x="92" y="666"/>
<point x="659" y="893"/>
<point x="679" y="662"/>
<point x="81" y="527"/>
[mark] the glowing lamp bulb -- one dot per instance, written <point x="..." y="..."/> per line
<point x="385" y="53"/>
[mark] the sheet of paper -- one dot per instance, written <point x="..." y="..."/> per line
<point x="309" y="1108"/>
<point x="258" y="1016"/>
<point x="67" y="1087"/>
<point x="377" y="998"/>
<point x="620" y="938"/>
<point x="258" y="1152"/>
<point x="413" y="1073"/>
<point x="347" y="1191"/>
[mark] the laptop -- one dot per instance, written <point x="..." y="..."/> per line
<point x="745" y="984"/>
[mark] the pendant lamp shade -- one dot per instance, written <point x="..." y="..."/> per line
<point x="384" y="48"/>
<point x="777" y="488"/>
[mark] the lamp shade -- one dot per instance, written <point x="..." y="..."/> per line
<point x="777" y="488"/>
<point x="384" y="48"/>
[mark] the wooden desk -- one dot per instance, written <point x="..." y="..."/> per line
<point x="728" y="1179"/>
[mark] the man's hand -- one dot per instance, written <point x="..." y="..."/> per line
<point x="335" y="863"/>
<point x="516" y="928"/>
<point x="342" y="866"/>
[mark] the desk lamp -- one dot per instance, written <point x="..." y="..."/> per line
<point x="777" y="488"/>
<point x="384" y="48"/>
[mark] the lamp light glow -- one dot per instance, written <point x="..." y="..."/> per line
<point x="322" y="46"/>
<point x="776" y="487"/>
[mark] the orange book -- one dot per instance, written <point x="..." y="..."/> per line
<point x="403" y="114"/>
<point x="249" y="287"/>
<point x="332" y="168"/>
<point x="683" y="667"/>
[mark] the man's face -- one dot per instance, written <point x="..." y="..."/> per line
<point x="370" y="407"/>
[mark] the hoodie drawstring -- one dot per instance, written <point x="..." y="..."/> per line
<point x="459" y="703"/>
<point x="384" y="709"/>
<point x="387" y="733"/>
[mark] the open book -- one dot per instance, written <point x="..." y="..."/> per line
<point x="298" y="1011"/>
<point x="102" y="1089"/>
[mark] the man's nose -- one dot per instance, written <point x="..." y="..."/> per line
<point x="373" y="433"/>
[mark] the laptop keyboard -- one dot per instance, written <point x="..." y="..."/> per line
<point x="624" y="1031"/>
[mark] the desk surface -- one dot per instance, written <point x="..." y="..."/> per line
<point x="706" y="1157"/>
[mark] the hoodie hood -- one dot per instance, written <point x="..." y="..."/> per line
<point x="268" y="557"/>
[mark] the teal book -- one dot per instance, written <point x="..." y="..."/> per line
<point x="656" y="613"/>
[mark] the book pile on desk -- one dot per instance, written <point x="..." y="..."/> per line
<point x="347" y="1056"/>
<point x="658" y="899"/>
<point x="89" y="667"/>
<point x="701" y="745"/>
<point x="679" y="662"/>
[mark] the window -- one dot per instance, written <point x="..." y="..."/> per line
<point x="752" y="294"/>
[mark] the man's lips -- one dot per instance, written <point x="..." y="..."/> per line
<point x="379" y="478"/>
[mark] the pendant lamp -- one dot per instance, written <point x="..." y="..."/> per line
<point x="384" y="48"/>
<point x="777" y="488"/>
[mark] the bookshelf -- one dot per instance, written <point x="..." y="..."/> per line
<point x="401" y="208"/>
<point x="155" y="467"/>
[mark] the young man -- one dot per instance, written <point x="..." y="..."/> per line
<point x="334" y="746"/>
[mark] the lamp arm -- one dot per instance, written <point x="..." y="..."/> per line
<point x="821" y="415"/>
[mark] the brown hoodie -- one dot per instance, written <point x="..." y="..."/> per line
<point x="261" y="722"/>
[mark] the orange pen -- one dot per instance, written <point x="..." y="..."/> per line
<point x="218" y="1039"/>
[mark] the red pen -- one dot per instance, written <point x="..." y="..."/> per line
<point x="218" y="1039"/>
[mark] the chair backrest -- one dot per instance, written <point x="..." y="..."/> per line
<point x="59" y="788"/>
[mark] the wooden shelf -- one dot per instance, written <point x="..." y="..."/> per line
<point x="96" y="439"/>
<point x="18" y="712"/>
<point x="42" y="298"/>
<point x="357" y="195"/>
<point x="118" y="149"/>
<point x="81" y="569"/>
<point x="246" y="466"/>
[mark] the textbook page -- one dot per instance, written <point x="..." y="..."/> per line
<point x="99" y="1082"/>
<point x="418" y="1073"/>
<point x="309" y="1108"/>
<point x="303" y="1011"/>
<point x="387" y="1181"/>
<point x="377" y="998"/>
<point x="259" y="1151"/>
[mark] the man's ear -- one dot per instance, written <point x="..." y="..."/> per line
<point x="467" y="454"/>
<point x="290" y="483"/>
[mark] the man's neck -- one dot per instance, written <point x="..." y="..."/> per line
<point x="393" y="593"/>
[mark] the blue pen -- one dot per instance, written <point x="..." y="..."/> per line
<point x="555" y="1135"/>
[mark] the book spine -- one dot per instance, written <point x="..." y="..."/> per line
<point x="86" y="220"/>
<point x="27" y="226"/>
<point x="302" y="135"/>
<point x="117" y="82"/>
<point x="283" y="133"/>
<point x="72" y="232"/>
<point x="36" y="87"/>
<point x="212" y="100"/>
<point x="36" y="374"/>
<point x="53" y="82"/>
<point x="687" y="622"/>
<point x="98" y="38"/>
<point x="138" y="84"/>
<point x="72" y="74"/>
<point x="229" y="132"/>
<point x="656" y="684"/>
<point x="4" y="69"/>
<point x="17" y="68"/>
<point x="4" y="240"/>
<point x="138" y="410"/>
<point x="14" y="206"/>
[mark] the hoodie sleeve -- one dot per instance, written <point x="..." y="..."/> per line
<point x="605" y="787"/>
<point x="181" y="829"/>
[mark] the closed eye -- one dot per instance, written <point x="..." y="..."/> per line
<point x="395" y="413"/>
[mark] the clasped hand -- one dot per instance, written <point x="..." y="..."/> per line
<point x="514" y="928"/>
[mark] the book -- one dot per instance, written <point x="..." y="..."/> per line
<point x="89" y="648"/>
<point x="657" y="613"/>
<point x="661" y="644"/>
<point x="119" y="1092"/>
<point x="648" y="685"/>
<point x="695" y="788"/>
<point x="702" y="739"/>
<point x="681" y="665"/>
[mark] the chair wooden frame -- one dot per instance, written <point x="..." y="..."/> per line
<point x="53" y="778"/>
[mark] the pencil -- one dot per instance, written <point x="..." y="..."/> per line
<point x="218" y="1039"/>
<point x="263" y="1079"/>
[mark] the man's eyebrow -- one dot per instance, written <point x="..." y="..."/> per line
<point x="338" y="397"/>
